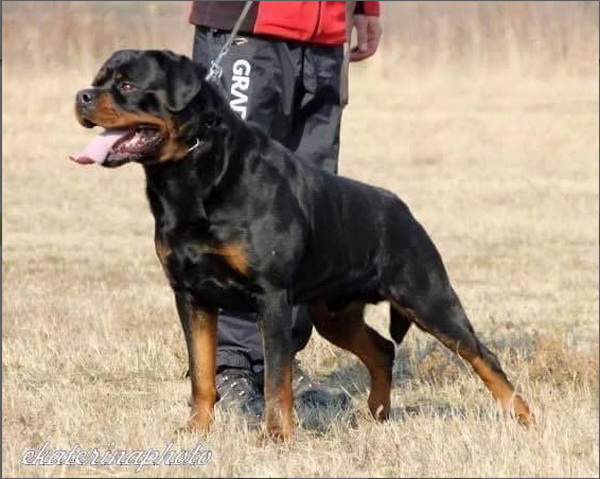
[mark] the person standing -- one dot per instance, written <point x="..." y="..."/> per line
<point x="286" y="70"/>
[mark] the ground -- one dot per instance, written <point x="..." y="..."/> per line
<point x="500" y="167"/>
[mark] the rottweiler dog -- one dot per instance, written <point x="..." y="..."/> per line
<point x="243" y="224"/>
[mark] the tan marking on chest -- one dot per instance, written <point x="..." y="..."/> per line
<point x="163" y="251"/>
<point x="235" y="256"/>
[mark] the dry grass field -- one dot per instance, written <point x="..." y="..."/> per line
<point x="491" y="137"/>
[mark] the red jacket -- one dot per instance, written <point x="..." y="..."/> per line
<point x="321" y="22"/>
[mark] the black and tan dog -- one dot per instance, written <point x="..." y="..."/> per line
<point x="243" y="224"/>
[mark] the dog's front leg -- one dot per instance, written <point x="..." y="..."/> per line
<point x="200" y="330"/>
<point x="275" y="322"/>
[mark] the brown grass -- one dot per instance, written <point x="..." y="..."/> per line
<point x="497" y="158"/>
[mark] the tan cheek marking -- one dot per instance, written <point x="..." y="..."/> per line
<point x="105" y="112"/>
<point x="109" y="115"/>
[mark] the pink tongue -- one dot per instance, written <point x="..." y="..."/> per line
<point x="97" y="150"/>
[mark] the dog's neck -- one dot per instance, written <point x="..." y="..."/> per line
<point x="181" y="188"/>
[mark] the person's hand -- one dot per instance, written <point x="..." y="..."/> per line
<point x="368" y="33"/>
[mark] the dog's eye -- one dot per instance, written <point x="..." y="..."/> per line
<point x="126" y="87"/>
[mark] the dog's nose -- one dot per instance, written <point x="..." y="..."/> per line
<point x="85" y="104"/>
<point x="85" y="97"/>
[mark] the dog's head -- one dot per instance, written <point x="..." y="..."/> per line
<point x="150" y="104"/>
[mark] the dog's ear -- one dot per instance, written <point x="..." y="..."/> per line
<point x="184" y="79"/>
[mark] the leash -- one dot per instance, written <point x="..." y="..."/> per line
<point x="216" y="70"/>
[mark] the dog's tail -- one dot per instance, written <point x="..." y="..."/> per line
<point x="400" y="322"/>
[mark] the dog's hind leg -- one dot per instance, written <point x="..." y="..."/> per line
<point x="444" y="318"/>
<point x="347" y="329"/>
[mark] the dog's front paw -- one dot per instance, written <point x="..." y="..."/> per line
<point x="277" y="433"/>
<point x="194" y="425"/>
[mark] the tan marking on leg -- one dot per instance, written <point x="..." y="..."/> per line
<point x="502" y="390"/>
<point x="496" y="382"/>
<point x="279" y="404"/>
<point x="202" y="351"/>
<point x="347" y="330"/>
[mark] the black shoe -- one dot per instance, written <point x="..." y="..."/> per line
<point x="314" y="393"/>
<point x="237" y="390"/>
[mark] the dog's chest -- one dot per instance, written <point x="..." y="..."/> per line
<point x="217" y="273"/>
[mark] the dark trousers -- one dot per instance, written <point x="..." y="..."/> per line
<point x="293" y="91"/>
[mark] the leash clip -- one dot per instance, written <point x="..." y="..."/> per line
<point x="214" y="72"/>
<point x="196" y="145"/>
